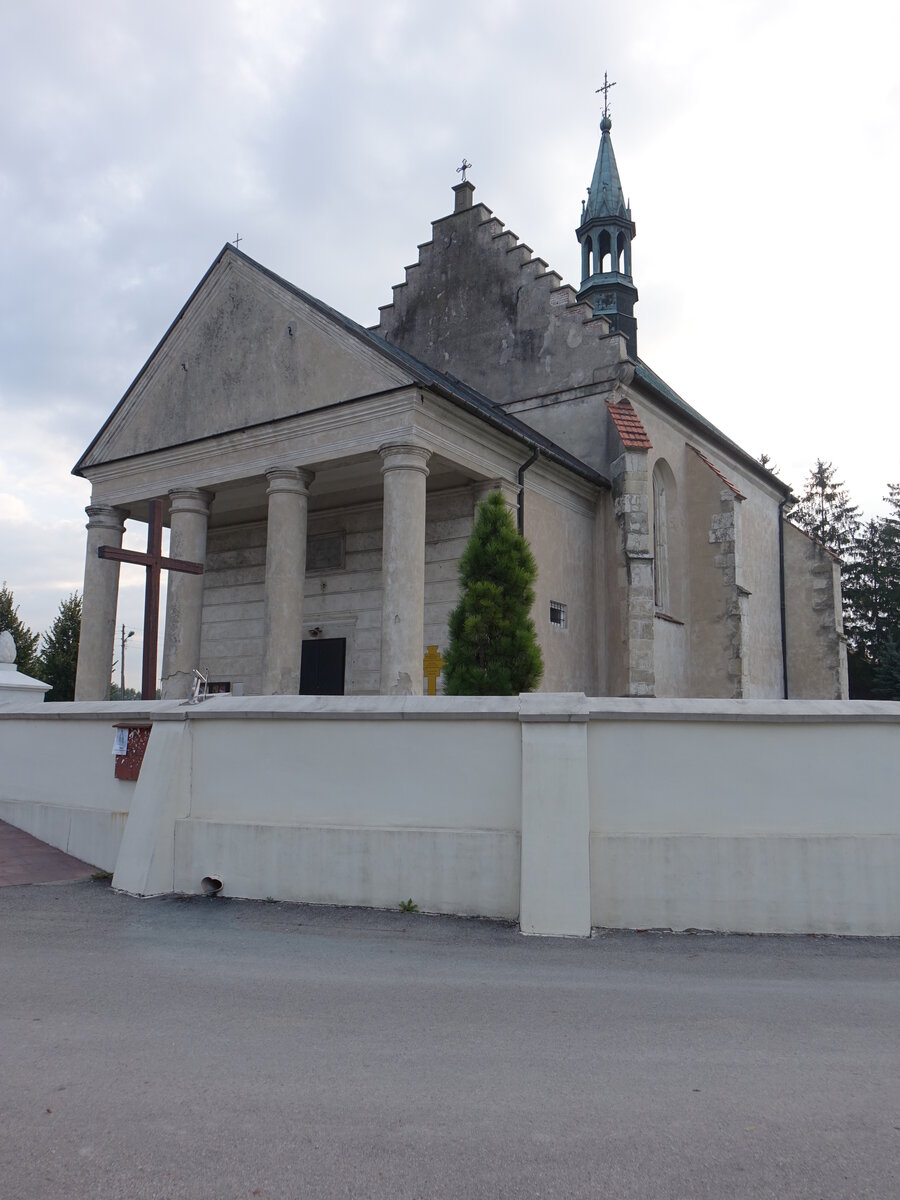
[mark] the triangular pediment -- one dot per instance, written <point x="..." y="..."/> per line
<point x="247" y="349"/>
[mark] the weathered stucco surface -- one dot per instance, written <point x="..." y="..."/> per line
<point x="817" y="651"/>
<point x="480" y="306"/>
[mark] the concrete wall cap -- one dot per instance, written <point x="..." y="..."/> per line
<point x="553" y="706"/>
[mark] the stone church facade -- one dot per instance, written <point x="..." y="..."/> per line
<point x="326" y="476"/>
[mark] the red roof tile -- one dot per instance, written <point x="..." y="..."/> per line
<point x="628" y="425"/>
<point x="715" y="470"/>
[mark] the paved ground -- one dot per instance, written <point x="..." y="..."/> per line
<point x="194" y="1049"/>
<point x="23" y="859"/>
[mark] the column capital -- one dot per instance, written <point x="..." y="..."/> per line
<point x="191" y="500"/>
<point x="104" y="516"/>
<point x="289" y="479"/>
<point x="404" y="456"/>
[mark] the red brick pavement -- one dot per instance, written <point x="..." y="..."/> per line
<point x="23" y="859"/>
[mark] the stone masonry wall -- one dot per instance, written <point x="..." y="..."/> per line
<point x="817" y="649"/>
<point x="632" y="674"/>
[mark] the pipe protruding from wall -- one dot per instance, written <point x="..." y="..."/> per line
<point x="211" y="885"/>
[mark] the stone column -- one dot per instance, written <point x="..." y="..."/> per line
<point x="403" y="569"/>
<point x="98" y="615"/>
<point x="184" y="602"/>
<point x="285" y="575"/>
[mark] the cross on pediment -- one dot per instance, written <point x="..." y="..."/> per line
<point x="461" y="170"/>
<point x="155" y="562"/>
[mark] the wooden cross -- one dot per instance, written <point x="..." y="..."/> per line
<point x="155" y="562"/>
<point x="466" y="166"/>
<point x="605" y="91"/>
<point x="432" y="664"/>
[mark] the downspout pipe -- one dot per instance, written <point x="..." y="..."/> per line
<point x="520" y="505"/>
<point x="784" y="659"/>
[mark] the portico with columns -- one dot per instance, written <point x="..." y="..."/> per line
<point x="374" y="465"/>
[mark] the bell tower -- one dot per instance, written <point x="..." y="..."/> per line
<point x="605" y="234"/>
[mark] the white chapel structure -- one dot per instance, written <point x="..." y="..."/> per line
<point x="326" y="477"/>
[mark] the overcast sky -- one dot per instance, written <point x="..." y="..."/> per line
<point x="757" y="139"/>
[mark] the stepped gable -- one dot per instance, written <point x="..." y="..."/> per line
<point x="480" y="306"/>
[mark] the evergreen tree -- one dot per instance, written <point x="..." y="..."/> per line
<point x="825" y="511"/>
<point x="871" y="591"/>
<point x="886" y="681"/>
<point x="765" y="460"/>
<point x="59" y="652"/>
<point x="493" y="647"/>
<point x="26" y="641"/>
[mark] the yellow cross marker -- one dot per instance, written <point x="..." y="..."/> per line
<point x="432" y="664"/>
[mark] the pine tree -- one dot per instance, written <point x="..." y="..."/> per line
<point x="493" y="647"/>
<point x="26" y="641"/>
<point x="825" y="511"/>
<point x="59" y="652"/>
<point x="886" y="681"/>
<point x="871" y="592"/>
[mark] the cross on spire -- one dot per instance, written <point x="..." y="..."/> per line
<point x="466" y="166"/>
<point x="605" y="90"/>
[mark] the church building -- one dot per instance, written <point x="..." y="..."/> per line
<point x="326" y="475"/>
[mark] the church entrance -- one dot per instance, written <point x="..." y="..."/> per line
<point x="322" y="666"/>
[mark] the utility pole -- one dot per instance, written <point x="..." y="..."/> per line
<point x="125" y="638"/>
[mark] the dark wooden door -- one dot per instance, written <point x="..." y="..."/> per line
<point x="322" y="667"/>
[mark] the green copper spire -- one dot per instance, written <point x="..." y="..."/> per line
<point x="605" y="196"/>
<point x="605" y="234"/>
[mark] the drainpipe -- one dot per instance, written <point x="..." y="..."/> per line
<point x="521" y="501"/>
<point x="784" y="669"/>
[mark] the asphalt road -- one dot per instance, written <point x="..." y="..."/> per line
<point x="217" y="1049"/>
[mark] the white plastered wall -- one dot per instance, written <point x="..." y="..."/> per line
<point x="756" y="816"/>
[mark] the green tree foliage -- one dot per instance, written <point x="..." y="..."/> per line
<point x="493" y="645"/>
<point x="26" y="641"/>
<point x="825" y="511"/>
<point x="886" y="674"/>
<point x="871" y="591"/>
<point x="59" y="651"/>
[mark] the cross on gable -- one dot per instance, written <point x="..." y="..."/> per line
<point x="155" y="562"/>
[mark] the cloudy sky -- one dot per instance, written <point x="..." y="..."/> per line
<point x="757" y="139"/>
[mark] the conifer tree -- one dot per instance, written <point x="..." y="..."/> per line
<point x="59" y="652"/>
<point x="870" y="584"/>
<point x="886" y="681"/>
<point x="493" y="647"/>
<point x="26" y="641"/>
<point x="825" y="511"/>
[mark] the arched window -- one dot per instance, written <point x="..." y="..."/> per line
<point x="603" y="252"/>
<point x="663" y="503"/>
<point x="620" y="251"/>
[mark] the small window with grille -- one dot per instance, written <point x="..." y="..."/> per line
<point x="557" y="614"/>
